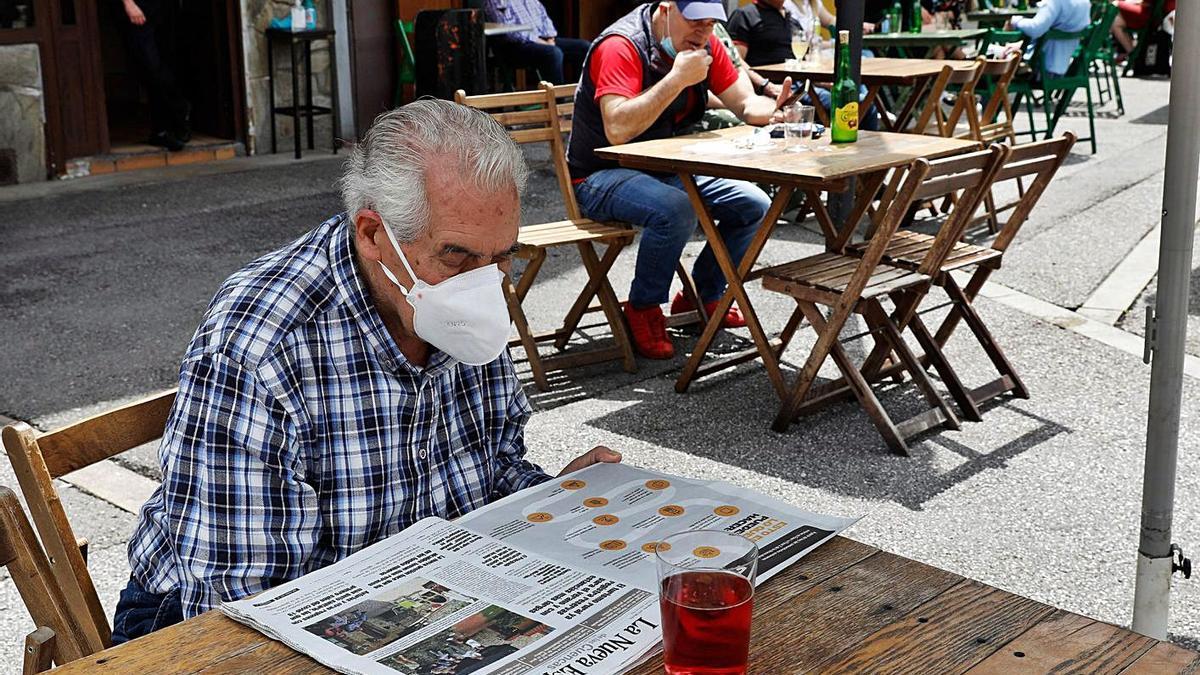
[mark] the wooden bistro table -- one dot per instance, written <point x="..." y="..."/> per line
<point x="846" y="607"/>
<point x="815" y="171"/>
<point x="876" y="73"/>
<point x="917" y="44"/>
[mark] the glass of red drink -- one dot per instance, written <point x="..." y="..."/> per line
<point x="706" y="591"/>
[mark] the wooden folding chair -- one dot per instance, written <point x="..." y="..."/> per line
<point x="987" y="125"/>
<point x="932" y="120"/>
<point x="848" y="284"/>
<point x="39" y="458"/>
<point x="58" y="637"/>
<point x="1037" y="162"/>
<point x="533" y="117"/>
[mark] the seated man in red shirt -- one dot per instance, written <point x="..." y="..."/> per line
<point x="646" y="77"/>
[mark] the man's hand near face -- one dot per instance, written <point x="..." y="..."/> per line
<point x="691" y="66"/>
<point x="596" y="455"/>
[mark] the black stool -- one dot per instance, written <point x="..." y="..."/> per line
<point x="303" y="39"/>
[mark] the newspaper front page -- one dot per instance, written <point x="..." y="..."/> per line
<point x="472" y="596"/>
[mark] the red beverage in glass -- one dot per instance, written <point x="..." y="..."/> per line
<point x="706" y="623"/>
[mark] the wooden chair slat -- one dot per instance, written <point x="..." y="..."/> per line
<point x="104" y="435"/>
<point x="532" y="135"/>
<point x="522" y="117"/>
<point x="945" y="185"/>
<point x="507" y="100"/>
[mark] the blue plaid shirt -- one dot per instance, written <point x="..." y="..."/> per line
<point x="301" y="434"/>
<point x="529" y="12"/>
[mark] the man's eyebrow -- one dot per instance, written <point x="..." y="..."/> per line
<point x="455" y="248"/>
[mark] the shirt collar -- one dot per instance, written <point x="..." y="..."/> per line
<point x="354" y="294"/>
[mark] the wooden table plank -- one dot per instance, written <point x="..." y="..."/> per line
<point x="882" y="70"/>
<point x="948" y="634"/>
<point x="1067" y="642"/>
<point x="1165" y="657"/>
<point x="874" y="151"/>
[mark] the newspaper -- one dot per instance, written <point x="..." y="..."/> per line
<point x="558" y="579"/>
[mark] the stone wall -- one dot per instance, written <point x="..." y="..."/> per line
<point x="256" y="15"/>
<point x="22" y="110"/>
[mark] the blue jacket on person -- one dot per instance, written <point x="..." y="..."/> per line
<point x="1071" y="16"/>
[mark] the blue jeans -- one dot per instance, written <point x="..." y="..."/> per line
<point x="548" y="60"/>
<point x="870" y="119"/>
<point x="140" y="612"/>
<point x="659" y="204"/>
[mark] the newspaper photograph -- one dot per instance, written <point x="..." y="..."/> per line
<point x="440" y="599"/>
<point x="608" y="518"/>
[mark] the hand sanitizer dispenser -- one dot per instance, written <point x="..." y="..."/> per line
<point x="298" y="17"/>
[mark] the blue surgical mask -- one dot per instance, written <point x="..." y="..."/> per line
<point x="667" y="45"/>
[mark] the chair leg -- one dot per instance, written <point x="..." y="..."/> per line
<point x="1116" y="87"/>
<point x="960" y="394"/>
<point x="598" y="273"/>
<point x="999" y="361"/>
<point x="1091" y="120"/>
<point x="39" y="651"/>
<point x="913" y="365"/>
<point x="517" y="314"/>
<point x="584" y="300"/>
<point x="854" y="380"/>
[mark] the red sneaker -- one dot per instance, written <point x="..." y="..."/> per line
<point x="649" y="329"/>
<point x="733" y="318"/>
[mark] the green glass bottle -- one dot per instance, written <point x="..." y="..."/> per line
<point x="845" y="95"/>
<point x="896" y="17"/>
<point x="914" y="24"/>
<point x="1023" y="5"/>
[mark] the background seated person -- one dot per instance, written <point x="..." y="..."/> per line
<point x="540" y="48"/>
<point x="762" y="33"/>
<point x="646" y="77"/>
<point x="1065" y="15"/>
<point x="1134" y="15"/>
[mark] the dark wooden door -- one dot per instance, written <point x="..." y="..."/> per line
<point x="76" y="121"/>
<point x="210" y="66"/>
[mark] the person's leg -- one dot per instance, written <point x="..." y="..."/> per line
<point x="738" y="207"/>
<point x="140" y="612"/>
<point x="1120" y="31"/>
<point x="663" y="211"/>
<point x="573" y="52"/>
<point x="546" y="59"/>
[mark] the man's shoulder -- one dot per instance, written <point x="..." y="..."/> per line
<point x="260" y="305"/>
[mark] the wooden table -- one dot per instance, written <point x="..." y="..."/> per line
<point x="989" y="18"/>
<point x="845" y="607"/>
<point x="491" y="29"/>
<point x="869" y="160"/>
<point x="904" y="43"/>
<point x="875" y="73"/>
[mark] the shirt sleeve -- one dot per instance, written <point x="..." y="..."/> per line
<point x="616" y="68"/>
<point x="513" y="471"/>
<point x="1038" y="24"/>
<point x="741" y="26"/>
<point x="240" y="516"/>
<point x="546" y="27"/>
<point x="721" y="72"/>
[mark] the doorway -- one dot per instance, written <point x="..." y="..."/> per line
<point x="204" y="54"/>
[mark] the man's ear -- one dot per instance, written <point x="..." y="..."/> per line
<point x="367" y="231"/>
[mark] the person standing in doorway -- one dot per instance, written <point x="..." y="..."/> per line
<point x="150" y="36"/>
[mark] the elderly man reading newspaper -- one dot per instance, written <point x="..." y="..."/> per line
<point x="349" y="384"/>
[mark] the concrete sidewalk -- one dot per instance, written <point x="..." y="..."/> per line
<point x="104" y="285"/>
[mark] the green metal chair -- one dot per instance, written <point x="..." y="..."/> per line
<point x="1104" y="68"/>
<point x="1057" y="90"/>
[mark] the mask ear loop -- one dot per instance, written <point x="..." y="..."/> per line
<point x="388" y="273"/>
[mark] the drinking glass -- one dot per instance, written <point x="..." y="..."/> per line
<point x="804" y="125"/>
<point x="799" y="43"/>
<point x="706" y="592"/>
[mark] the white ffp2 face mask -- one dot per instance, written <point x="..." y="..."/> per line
<point x="464" y="316"/>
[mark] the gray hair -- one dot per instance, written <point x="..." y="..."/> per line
<point x="386" y="170"/>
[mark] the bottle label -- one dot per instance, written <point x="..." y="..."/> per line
<point x="846" y="117"/>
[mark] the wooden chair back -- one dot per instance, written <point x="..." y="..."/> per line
<point x="533" y="117"/>
<point x="969" y="177"/>
<point x="1038" y="161"/>
<point x="986" y="126"/>
<point x="933" y="120"/>
<point x="39" y="458"/>
<point x="29" y="569"/>
<point x="564" y="97"/>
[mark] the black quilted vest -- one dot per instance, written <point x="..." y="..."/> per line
<point x="587" y="128"/>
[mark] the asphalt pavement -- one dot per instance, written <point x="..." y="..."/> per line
<point x="103" y="282"/>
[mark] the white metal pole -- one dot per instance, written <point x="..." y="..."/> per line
<point x="1168" y="329"/>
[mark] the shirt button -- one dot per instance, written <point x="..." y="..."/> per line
<point x="423" y="453"/>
